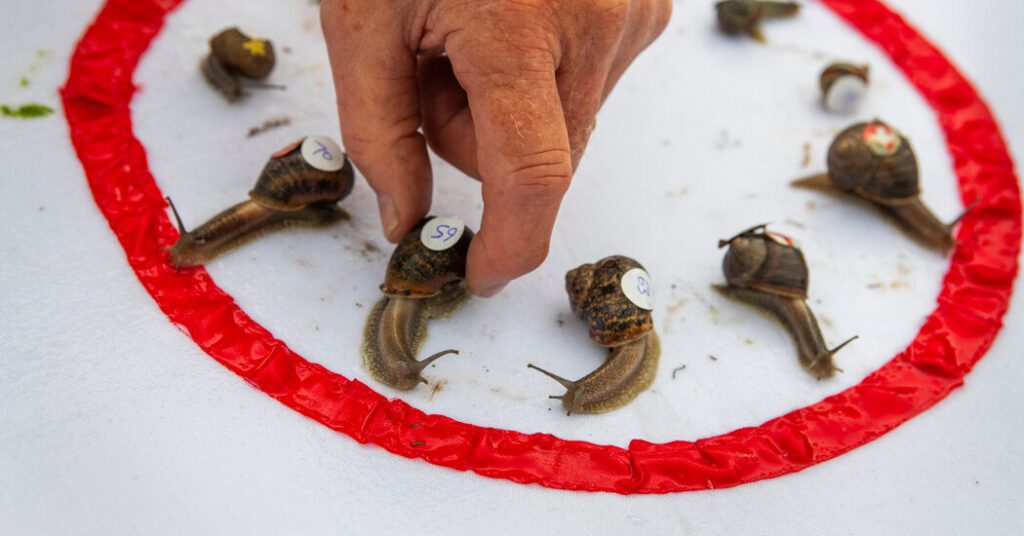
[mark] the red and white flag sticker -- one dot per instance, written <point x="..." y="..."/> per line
<point x="442" y="232"/>
<point x="636" y="285"/>
<point x="780" y="238"/>
<point x="880" y="139"/>
<point x="322" y="153"/>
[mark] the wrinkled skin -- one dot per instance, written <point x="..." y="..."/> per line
<point x="505" y="90"/>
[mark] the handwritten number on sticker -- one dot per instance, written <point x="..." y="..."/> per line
<point x="323" y="151"/>
<point x="642" y="286"/>
<point x="445" y="232"/>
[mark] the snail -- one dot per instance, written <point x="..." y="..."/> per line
<point x="876" y="163"/>
<point x="300" y="185"/>
<point x="767" y="269"/>
<point x="424" y="280"/>
<point x="744" y="16"/>
<point x="843" y="86"/>
<point x="233" y="55"/>
<point x="613" y="297"/>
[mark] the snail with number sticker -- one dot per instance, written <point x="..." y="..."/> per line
<point x="614" y="297"/>
<point x="766" y="269"/>
<point x="424" y="280"/>
<point x="737" y="17"/>
<point x="300" y="185"/>
<point x="876" y="163"/>
<point x="235" y="56"/>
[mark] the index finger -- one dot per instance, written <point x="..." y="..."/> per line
<point x="524" y="159"/>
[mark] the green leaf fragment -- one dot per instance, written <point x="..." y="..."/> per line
<point x="26" y="111"/>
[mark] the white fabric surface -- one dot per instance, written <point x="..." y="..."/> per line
<point x="111" y="420"/>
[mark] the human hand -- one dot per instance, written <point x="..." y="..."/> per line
<point x="505" y="90"/>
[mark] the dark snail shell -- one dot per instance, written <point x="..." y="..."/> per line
<point x="765" y="269"/>
<point x="839" y="69"/>
<point x="595" y="295"/>
<point x="876" y="162"/>
<point x="737" y="17"/>
<point x="248" y="56"/>
<point x="288" y="182"/>
<point x="417" y="271"/>
<point x="761" y="262"/>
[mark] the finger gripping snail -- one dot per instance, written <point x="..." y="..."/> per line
<point x="421" y="283"/>
<point x="301" y="185"/>
<point x="613" y="298"/>
<point x="234" y="55"/>
<point x="765" y="269"/>
<point x="737" y="17"/>
<point x="876" y="163"/>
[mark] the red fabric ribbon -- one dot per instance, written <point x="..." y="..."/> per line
<point x="974" y="297"/>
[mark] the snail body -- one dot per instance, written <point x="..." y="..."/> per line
<point x="298" y="187"/>
<point x="843" y="86"/>
<point x="421" y="283"/>
<point x="613" y="297"/>
<point x="233" y="55"/>
<point x="767" y="270"/>
<point x="877" y="164"/>
<point x="737" y="17"/>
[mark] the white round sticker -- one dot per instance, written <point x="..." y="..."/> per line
<point x="845" y="94"/>
<point x="442" y="232"/>
<point x="636" y="285"/>
<point x="322" y="153"/>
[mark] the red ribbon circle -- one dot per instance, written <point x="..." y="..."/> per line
<point x="975" y="295"/>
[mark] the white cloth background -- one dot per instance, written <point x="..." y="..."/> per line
<point x="111" y="420"/>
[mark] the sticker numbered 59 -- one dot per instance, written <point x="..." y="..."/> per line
<point x="442" y="232"/>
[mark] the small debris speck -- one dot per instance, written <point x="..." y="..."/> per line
<point x="713" y="358"/>
<point x="268" y="125"/>
<point x="417" y="443"/>
<point x="748" y="341"/>
<point x="678" y="369"/>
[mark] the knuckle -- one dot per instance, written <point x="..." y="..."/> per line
<point x="541" y="178"/>
<point x="611" y="14"/>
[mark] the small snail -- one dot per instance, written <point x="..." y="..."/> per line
<point x="234" y="54"/>
<point x="300" y="185"/>
<point x="613" y="297"/>
<point x="744" y="16"/>
<point x="876" y="163"/>
<point x="843" y="86"/>
<point x="424" y="280"/>
<point x="768" y="270"/>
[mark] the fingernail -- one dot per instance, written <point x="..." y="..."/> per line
<point x="493" y="290"/>
<point x="388" y="215"/>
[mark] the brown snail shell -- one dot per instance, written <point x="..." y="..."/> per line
<point x="234" y="54"/>
<point x="420" y="284"/>
<point x="597" y="296"/>
<point x="251" y="57"/>
<point x="736" y="17"/>
<point x="289" y="192"/>
<point x="876" y="163"/>
<point x="843" y="86"/>
<point x="767" y="270"/>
